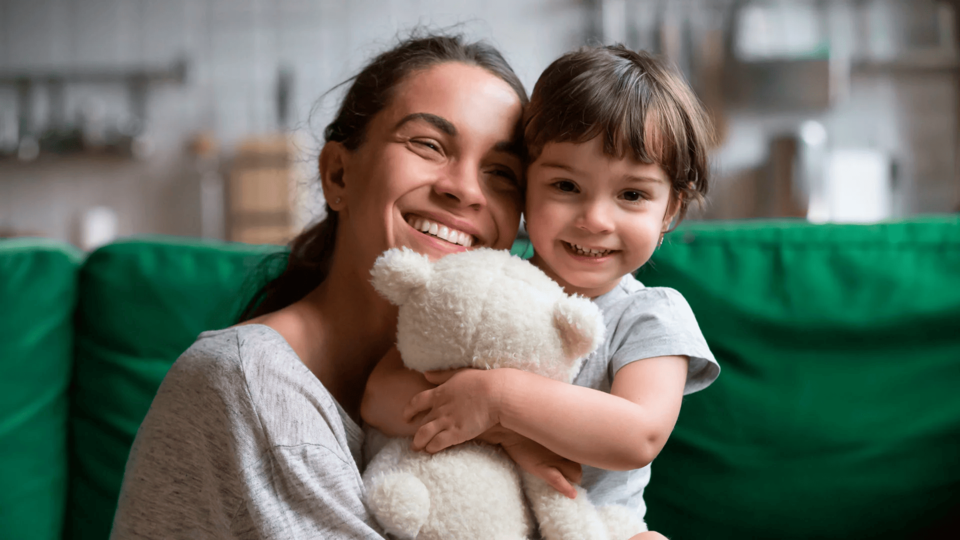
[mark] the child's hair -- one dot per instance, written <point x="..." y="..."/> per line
<point x="636" y="101"/>
<point x="369" y="93"/>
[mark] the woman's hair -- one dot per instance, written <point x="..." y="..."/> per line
<point x="636" y="102"/>
<point x="370" y="92"/>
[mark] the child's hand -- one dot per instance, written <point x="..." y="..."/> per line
<point x="464" y="405"/>
<point x="558" y="472"/>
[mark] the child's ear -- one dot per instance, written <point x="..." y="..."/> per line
<point x="673" y="208"/>
<point x="580" y="325"/>
<point x="399" y="272"/>
<point x="331" y="164"/>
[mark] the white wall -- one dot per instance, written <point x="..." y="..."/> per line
<point x="234" y="49"/>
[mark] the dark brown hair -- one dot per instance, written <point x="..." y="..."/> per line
<point x="370" y="92"/>
<point x="636" y="102"/>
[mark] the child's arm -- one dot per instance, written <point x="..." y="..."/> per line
<point x="622" y="430"/>
<point x="391" y="386"/>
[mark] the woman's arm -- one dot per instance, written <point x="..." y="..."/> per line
<point x="390" y="387"/>
<point x="622" y="430"/>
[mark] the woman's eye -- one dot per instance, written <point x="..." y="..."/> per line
<point x="505" y="173"/>
<point x="566" y="186"/>
<point x="428" y="144"/>
<point x="503" y="179"/>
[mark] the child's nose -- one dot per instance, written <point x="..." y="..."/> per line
<point x="595" y="218"/>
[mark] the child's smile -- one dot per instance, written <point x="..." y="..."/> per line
<point x="594" y="218"/>
<point x="588" y="252"/>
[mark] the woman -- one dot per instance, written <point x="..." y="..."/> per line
<point x="254" y="431"/>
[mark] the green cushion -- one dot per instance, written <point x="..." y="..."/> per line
<point x="38" y="290"/>
<point x="837" y="411"/>
<point x="142" y="303"/>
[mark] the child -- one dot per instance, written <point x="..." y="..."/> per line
<point x="617" y="150"/>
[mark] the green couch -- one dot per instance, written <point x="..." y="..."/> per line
<point x="836" y="415"/>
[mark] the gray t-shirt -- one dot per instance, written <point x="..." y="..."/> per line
<point x="243" y="441"/>
<point x="642" y="322"/>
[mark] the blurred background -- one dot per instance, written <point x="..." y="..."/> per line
<point x="201" y="117"/>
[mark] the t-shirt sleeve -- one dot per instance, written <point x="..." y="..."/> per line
<point x="203" y="466"/>
<point x="659" y="322"/>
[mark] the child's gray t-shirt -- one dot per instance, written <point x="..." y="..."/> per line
<point x="243" y="441"/>
<point x="642" y="322"/>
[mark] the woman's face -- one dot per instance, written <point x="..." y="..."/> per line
<point x="437" y="171"/>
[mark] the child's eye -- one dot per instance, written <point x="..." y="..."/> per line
<point x="566" y="186"/>
<point x="634" y="196"/>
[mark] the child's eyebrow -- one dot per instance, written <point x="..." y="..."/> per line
<point x="645" y="179"/>
<point x="563" y="166"/>
<point x="438" y="122"/>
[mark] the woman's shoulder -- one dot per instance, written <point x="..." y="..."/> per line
<point x="232" y="349"/>
<point x="216" y="358"/>
<point x="242" y="360"/>
<point x="252" y="367"/>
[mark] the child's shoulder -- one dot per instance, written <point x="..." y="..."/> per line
<point x="630" y="289"/>
<point x="632" y="299"/>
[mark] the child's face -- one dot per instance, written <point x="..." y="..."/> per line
<point x="593" y="218"/>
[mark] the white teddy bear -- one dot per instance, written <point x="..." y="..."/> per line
<point x="482" y="309"/>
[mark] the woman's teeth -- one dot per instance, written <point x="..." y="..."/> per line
<point x="440" y="231"/>
<point x="586" y="252"/>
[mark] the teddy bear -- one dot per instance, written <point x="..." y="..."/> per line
<point x="482" y="309"/>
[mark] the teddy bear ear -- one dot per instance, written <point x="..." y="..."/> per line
<point x="399" y="272"/>
<point x="580" y="324"/>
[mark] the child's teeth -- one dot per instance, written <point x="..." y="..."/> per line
<point x="590" y="252"/>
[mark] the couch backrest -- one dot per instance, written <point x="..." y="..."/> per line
<point x="142" y="303"/>
<point x="837" y="411"/>
<point x="38" y="289"/>
<point x="836" y="414"/>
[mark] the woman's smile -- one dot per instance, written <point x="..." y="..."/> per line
<point x="440" y="230"/>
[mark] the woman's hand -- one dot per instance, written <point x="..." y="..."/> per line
<point x="464" y="405"/>
<point x="558" y="472"/>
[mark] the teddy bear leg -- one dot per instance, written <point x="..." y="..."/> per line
<point x="561" y="518"/>
<point x="400" y="503"/>
<point x="621" y="522"/>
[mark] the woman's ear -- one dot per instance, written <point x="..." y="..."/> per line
<point x="333" y="158"/>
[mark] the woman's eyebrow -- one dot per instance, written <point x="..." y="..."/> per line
<point x="514" y="148"/>
<point x="438" y="122"/>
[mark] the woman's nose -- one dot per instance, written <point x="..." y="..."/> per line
<point x="595" y="218"/>
<point x="461" y="183"/>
